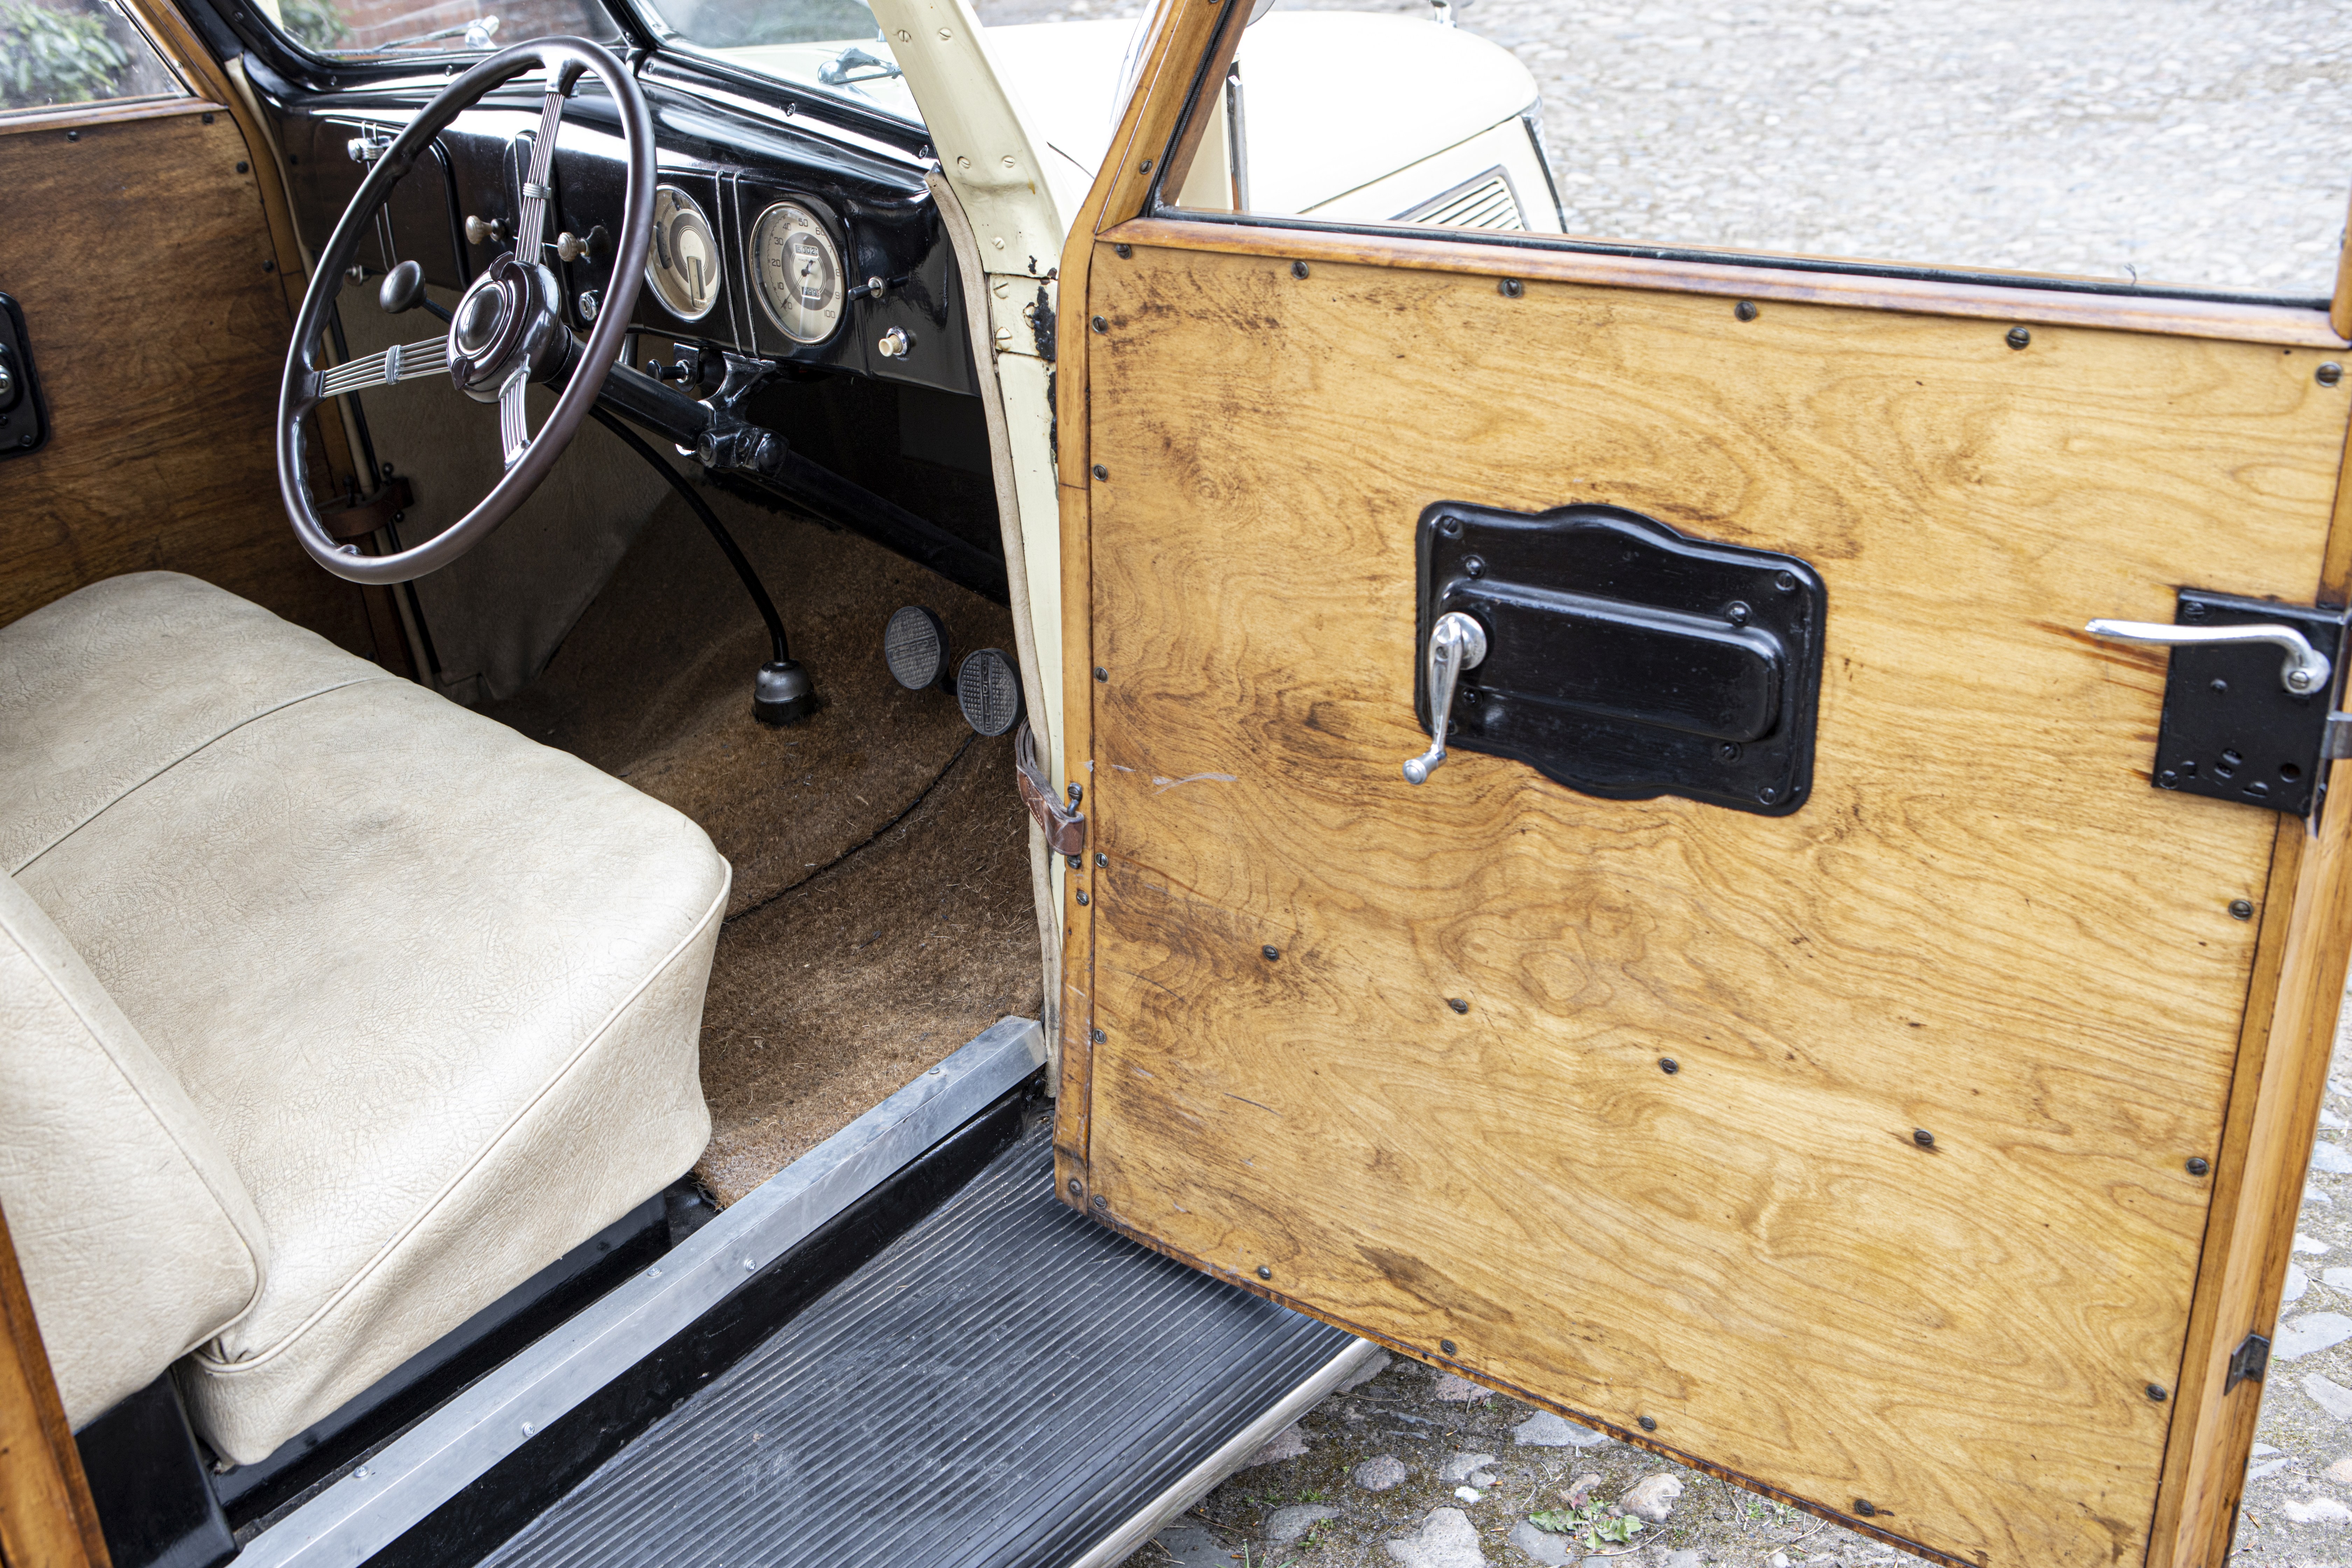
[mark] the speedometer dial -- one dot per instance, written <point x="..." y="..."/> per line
<point x="682" y="264"/>
<point x="799" y="271"/>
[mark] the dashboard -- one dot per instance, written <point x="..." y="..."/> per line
<point x="776" y="234"/>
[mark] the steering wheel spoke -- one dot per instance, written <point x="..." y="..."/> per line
<point x="538" y="181"/>
<point x="402" y="362"/>
<point x="514" y="419"/>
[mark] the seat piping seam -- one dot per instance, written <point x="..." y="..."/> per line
<point x="197" y="750"/>
<point x="217" y="1367"/>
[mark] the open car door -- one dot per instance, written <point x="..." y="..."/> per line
<point x="1831" y="1018"/>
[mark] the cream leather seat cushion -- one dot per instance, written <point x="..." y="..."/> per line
<point x="116" y="1191"/>
<point x="436" y="989"/>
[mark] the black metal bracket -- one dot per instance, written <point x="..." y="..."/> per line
<point x="1625" y="660"/>
<point x="2248" y="1361"/>
<point x="23" y="414"/>
<point x="2230" y="729"/>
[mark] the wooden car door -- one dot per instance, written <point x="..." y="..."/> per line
<point x="1810" y="1025"/>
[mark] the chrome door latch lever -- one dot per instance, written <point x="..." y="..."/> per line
<point x="1455" y="643"/>
<point x="2305" y="671"/>
<point x="2248" y="715"/>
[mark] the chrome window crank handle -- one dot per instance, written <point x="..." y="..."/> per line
<point x="1455" y="643"/>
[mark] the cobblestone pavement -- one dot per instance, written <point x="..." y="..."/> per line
<point x="2198" y="141"/>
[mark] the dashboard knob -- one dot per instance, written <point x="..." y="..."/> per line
<point x="896" y="344"/>
<point x="570" y="245"/>
<point x="483" y="231"/>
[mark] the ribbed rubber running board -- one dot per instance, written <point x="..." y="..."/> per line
<point x="1005" y="1385"/>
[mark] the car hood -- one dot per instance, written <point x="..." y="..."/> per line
<point x="1333" y="100"/>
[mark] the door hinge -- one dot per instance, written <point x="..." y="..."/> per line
<point x="1066" y="828"/>
<point x="2248" y="1361"/>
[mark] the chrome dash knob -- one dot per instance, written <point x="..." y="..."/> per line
<point x="1457" y="643"/>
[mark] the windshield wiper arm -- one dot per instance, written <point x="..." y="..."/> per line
<point x="477" y="35"/>
<point x="856" y="64"/>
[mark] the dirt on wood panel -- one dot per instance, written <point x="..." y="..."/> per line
<point x="881" y="913"/>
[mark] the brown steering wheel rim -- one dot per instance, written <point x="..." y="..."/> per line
<point x="566" y="61"/>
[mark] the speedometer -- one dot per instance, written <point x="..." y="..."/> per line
<point x="799" y="271"/>
<point x="682" y="264"/>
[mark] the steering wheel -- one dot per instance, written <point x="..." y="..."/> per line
<point x="507" y="330"/>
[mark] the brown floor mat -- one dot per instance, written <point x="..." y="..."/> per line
<point x="881" y="914"/>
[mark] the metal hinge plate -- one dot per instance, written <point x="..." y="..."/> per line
<point x="2248" y="1361"/>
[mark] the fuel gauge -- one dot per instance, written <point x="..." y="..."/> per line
<point x="682" y="264"/>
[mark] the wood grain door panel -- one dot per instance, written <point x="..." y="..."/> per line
<point x="1443" y="1112"/>
<point x="141" y="253"/>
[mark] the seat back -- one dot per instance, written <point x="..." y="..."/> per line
<point x="137" y="1240"/>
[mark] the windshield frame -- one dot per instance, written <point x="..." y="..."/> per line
<point x="675" y="46"/>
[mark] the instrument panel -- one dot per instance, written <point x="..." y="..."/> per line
<point x="768" y="240"/>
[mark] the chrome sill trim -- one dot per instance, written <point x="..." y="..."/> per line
<point x="368" y="1510"/>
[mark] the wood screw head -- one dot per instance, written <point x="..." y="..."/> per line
<point x="2018" y="337"/>
<point x="1077" y="1188"/>
<point x="1299" y="269"/>
<point x="1097" y="1036"/>
<point x="2328" y="374"/>
<point x="242" y="165"/>
<point x="1457" y="1003"/>
<point x="1512" y="287"/>
<point x="1264" y="1272"/>
<point x="1101" y="1202"/>
<point x="1077" y="862"/>
<point x="1668" y="1066"/>
<point x="1647" y="1423"/>
<point x="2241" y="909"/>
<point x="1101" y="858"/>
<point x="1446" y="1346"/>
<point x="1101" y="674"/>
<point x="1862" y="1505"/>
<point x="1101" y="472"/>
<point x="1922" y="1137"/>
<point x="2157" y="1392"/>
<point x="1122" y="251"/>
<point x="1474" y="565"/>
<point x="1083" y="900"/>
<point x="1450" y="526"/>
<point x="1272" y="953"/>
<point x="1745" y="310"/>
<point x="2199" y="1165"/>
<point x="1144" y="167"/>
<point x="1099" y="325"/>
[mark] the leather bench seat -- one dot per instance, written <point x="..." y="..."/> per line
<point x="390" y="1005"/>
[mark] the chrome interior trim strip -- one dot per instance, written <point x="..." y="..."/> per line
<point x="368" y="1510"/>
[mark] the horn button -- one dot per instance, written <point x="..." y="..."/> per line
<point x="509" y="320"/>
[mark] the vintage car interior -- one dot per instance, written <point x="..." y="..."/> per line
<point x="739" y="765"/>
